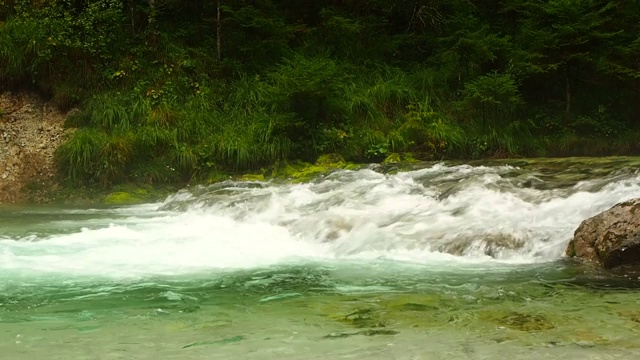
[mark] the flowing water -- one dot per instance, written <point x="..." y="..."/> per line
<point x="440" y="261"/>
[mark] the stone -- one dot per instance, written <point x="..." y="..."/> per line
<point x="610" y="239"/>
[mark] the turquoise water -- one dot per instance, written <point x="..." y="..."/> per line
<point x="440" y="261"/>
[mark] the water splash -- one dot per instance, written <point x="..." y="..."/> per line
<point x="441" y="215"/>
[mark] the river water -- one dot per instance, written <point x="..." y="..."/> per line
<point x="437" y="261"/>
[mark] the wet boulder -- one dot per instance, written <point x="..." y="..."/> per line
<point x="610" y="239"/>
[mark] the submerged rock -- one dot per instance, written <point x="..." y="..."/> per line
<point x="370" y="332"/>
<point x="526" y="322"/>
<point x="610" y="239"/>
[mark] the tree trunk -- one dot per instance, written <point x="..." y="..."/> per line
<point x="218" y="34"/>
<point x="132" y="9"/>
<point x="638" y="91"/>
<point x="568" y="85"/>
<point x="153" y="24"/>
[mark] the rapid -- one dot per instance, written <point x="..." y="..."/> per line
<point x="374" y="262"/>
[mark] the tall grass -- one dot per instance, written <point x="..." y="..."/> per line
<point x="79" y="158"/>
<point x="299" y="109"/>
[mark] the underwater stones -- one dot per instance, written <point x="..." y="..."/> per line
<point x="370" y="332"/>
<point x="489" y="244"/>
<point x="526" y="322"/>
<point x="417" y="307"/>
<point x="225" y="341"/>
<point x="610" y="239"/>
<point x="364" y="318"/>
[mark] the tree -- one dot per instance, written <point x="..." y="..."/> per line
<point x="564" y="34"/>
<point x="495" y="94"/>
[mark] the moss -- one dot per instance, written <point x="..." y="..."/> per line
<point x="291" y="168"/>
<point x="394" y="158"/>
<point x="252" y="177"/>
<point x="300" y="171"/>
<point x="352" y="166"/>
<point x="121" y="198"/>
<point x="215" y="177"/>
<point x="310" y="173"/>
<point x="303" y="172"/>
<point x="331" y="160"/>
<point x="409" y="158"/>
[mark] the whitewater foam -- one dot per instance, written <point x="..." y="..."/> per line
<point x="437" y="215"/>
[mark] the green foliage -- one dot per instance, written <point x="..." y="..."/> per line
<point x="493" y="98"/>
<point x="428" y="131"/>
<point x="57" y="45"/>
<point x="170" y="93"/>
<point x="78" y="157"/>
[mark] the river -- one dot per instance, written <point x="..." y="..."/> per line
<point x="434" y="261"/>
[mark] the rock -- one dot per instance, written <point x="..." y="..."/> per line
<point x="252" y="177"/>
<point x="300" y="171"/>
<point x="331" y="160"/>
<point x="394" y="158"/>
<point x="121" y="198"/>
<point x="610" y="239"/>
<point x="26" y="150"/>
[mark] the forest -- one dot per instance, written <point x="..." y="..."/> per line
<point x="171" y="91"/>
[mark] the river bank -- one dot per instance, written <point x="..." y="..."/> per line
<point x="32" y="129"/>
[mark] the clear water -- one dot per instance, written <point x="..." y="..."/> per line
<point x="458" y="261"/>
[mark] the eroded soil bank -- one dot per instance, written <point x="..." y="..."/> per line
<point x="30" y="131"/>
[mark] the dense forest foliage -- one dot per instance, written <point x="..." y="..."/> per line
<point x="171" y="90"/>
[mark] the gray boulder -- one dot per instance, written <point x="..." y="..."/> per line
<point x="610" y="239"/>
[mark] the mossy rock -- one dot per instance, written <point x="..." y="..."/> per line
<point x="252" y="177"/>
<point x="300" y="171"/>
<point x="394" y="158"/>
<point x="352" y="166"/>
<point x="290" y="169"/>
<point x="331" y="160"/>
<point x="216" y="177"/>
<point x="122" y="198"/>
<point x="403" y="158"/>
<point x="309" y="173"/>
<point x="409" y="158"/>
<point x="323" y="165"/>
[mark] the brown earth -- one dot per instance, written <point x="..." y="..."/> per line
<point x="30" y="131"/>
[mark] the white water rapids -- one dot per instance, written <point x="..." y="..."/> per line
<point x="434" y="216"/>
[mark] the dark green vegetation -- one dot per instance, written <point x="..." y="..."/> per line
<point x="175" y="90"/>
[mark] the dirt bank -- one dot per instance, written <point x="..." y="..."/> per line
<point x="30" y="131"/>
